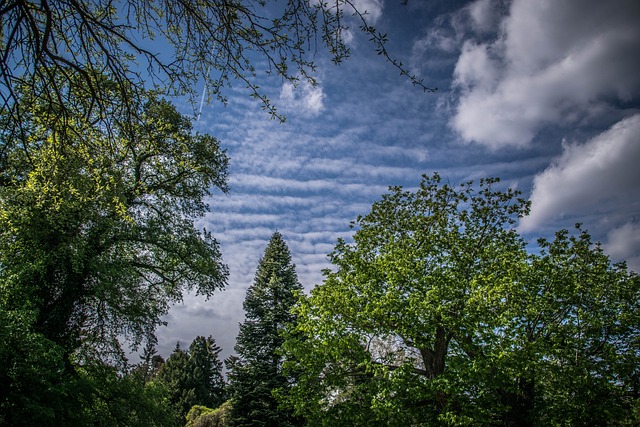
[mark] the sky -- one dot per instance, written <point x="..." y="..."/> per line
<point x="543" y="94"/>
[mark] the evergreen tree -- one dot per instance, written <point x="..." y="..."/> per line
<point x="174" y="375"/>
<point x="194" y="377"/>
<point x="206" y="372"/>
<point x="256" y="372"/>
<point x="150" y="360"/>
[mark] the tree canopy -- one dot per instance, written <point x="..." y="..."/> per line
<point x="97" y="236"/>
<point x="436" y="314"/>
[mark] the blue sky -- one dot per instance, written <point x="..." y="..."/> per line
<point x="541" y="93"/>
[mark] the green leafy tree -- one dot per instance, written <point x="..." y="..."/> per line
<point x="40" y="388"/>
<point x="33" y="376"/>
<point x="437" y="315"/>
<point x="97" y="235"/>
<point x="573" y="336"/>
<point x="110" y="398"/>
<point x="96" y="223"/>
<point x="256" y="372"/>
<point x="201" y="416"/>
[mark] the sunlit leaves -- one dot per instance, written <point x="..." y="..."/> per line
<point x="97" y="221"/>
<point x="436" y="314"/>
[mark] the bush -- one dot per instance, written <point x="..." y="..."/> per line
<point x="201" y="416"/>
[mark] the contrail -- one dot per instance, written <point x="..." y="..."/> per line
<point x="204" y="91"/>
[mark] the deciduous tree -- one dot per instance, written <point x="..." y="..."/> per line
<point x="97" y="234"/>
<point x="436" y="314"/>
<point x="96" y="223"/>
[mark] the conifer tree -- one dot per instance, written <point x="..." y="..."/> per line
<point x="256" y="372"/>
<point x="194" y="377"/>
<point x="206" y="372"/>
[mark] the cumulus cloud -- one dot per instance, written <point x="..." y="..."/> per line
<point x="305" y="98"/>
<point x="623" y="243"/>
<point x="550" y="63"/>
<point x="590" y="177"/>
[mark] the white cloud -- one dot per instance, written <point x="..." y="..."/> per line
<point x="623" y="243"/>
<point x="551" y="63"/>
<point x="372" y="8"/>
<point x="483" y="15"/>
<point x="304" y="98"/>
<point x="595" y="176"/>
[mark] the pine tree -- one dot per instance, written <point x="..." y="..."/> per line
<point x="256" y="371"/>
<point x="194" y="377"/>
<point x="150" y="362"/>
<point x="206" y="372"/>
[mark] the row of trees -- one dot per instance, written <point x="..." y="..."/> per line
<point x="436" y="314"/>
<point x="189" y="385"/>
<point x="193" y="380"/>
<point x="101" y="180"/>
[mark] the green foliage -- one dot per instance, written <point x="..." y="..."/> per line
<point x="35" y="384"/>
<point x="112" y="399"/>
<point x="175" y="375"/>
<point x="96" y="223"/>
<point x="193" y="377"/>
<point x="201" y="416"/>
<point x="578" y="326"/>
<point x="44" y="388"/>
<point x="206" y="372"/>
<point x="96" y="241"/>
<point x="437" y="315"/>
<point x="256" y="373"/>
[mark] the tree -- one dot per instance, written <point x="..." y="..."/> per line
<point x="201" y="416"/>
<point x="97" y="237"/>
<point x="193" y="377"/>
<point x="574" y="337"/>
<point x="206" y="372"/>
<point x="96" y="223"/>
<point x="109" y="397"/>
<point x="40" y="389"/>
<point x="256" y="372"/>
<point x="175" y="375"/>
<point x="436" y="314"/>
<point x="150" y="362"/>
<point x="221" y="42"/>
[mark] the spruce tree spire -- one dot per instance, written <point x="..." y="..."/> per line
<point x="257" y="369"/>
